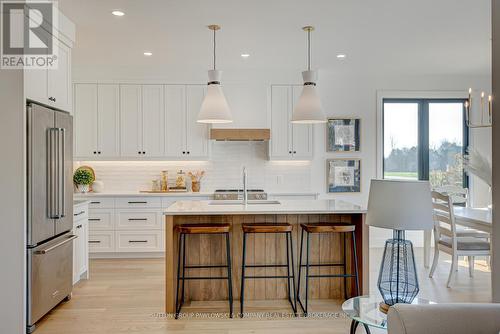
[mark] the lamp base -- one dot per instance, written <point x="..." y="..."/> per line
<point x="383" y="307"/>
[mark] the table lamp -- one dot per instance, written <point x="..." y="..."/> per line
<point x="399" y="206"/>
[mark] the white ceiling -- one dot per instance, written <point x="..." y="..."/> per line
<point x="400" y="36"/>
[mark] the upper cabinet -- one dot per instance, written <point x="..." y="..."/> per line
<point x="96" y="112"/>
<point x="131" y="120"/>
<point x="184" y="137"/>
<point x="142" y="121"/>
<point x="196" y="133"/>
<point x="288" y="141"/>
<point x="53" y="87"/>
<point x="153" y="120"/>
<point x="128" y="121"/>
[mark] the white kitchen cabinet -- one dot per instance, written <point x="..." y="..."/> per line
<point x="141" y="121"/>
<point x="139" y="241"/>
<point x="175" y="120"/>
<point x="80" y="244"/>
<point x="108" y="116"/>
<point x="85" y="120"/>
<point x="185" y="138"/>
<point x="59" y="83"/>
<point x="196" y="133"/>
<point x="52" y="87"/>
<point x="288" y="141"/>
<point x="129" y="226"/>
<point x="153" y="114"/>
<point x="96" y="121"/>
<point x="131" y="120"/>
<point x="302" y="134"/>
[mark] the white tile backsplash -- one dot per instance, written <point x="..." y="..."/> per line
<point x="223" y="171"/>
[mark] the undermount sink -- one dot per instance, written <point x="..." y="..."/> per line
<point x="251" y="202"/>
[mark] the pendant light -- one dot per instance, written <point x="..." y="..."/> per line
<point x="308" y="109"/>
<point x="214" y="108"/>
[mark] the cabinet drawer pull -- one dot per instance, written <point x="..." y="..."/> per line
<point x="95" y="202"/>
<point x="79" y="213"/>
<point x="137" y="241"/>
<point x="79" y="226"/>
<point x="94" y="219"/>
<point x="137" y="202"/>
<point x="137" y="219"/>
<point x="94" y="241"/>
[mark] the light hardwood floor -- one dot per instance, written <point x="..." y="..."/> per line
<point x="127" y="296"/>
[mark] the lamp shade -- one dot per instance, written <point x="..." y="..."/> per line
<point x="308" y="108"/>
<point x="400" y="205"/>
<point x="214" y="108"/>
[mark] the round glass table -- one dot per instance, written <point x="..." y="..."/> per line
<point x="365" y="310"/>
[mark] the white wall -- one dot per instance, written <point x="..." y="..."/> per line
<point x="342" y="94"/>
<point x="12" y="203"/>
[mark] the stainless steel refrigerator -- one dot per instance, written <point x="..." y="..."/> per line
<point x="50" y="210"/>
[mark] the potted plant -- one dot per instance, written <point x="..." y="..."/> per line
<point x="83" y="179"/>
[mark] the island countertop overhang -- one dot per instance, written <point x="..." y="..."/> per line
<point x="333" y="206"/>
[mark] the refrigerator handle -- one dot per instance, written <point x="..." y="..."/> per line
<point x="51" y="171"/>
<point x="62" y="179"/>
<point x="58" y="173"/>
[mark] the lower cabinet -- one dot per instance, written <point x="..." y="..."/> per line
<point x="139" y="241"/>
<point x="80" y="244"/>
<point x="129" y="226"/>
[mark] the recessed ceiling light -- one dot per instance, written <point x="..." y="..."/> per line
<point x="117" y="13"/>
<point x="341" y="56"/>
<point x="245" y="55"/>
<point x="148" y="53"/>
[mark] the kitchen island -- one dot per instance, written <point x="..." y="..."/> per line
<point x="262" y="249"/>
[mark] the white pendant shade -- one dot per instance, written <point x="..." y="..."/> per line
<point x="308" y="109"/>
<point x="214" y="108"/>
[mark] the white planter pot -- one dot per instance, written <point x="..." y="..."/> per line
<point x="83" y="188"/>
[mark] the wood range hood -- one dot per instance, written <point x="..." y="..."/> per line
<point x="240" y="134"/>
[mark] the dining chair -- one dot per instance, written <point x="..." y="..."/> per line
<point x="459" y="195"/>
<point x="455" y="242"/>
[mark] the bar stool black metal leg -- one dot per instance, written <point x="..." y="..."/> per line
<point x="242" y="290"/>
<point x="229" y="277"/>
<point x="288" y="270"/>
<point x="300" y="269"/>
<point x="293" y="275"/>
<point x="344" y="267"/>
<point x="183" y="268"/>
<point x="307" y="272"/>
<point x="177" y="304"/>
<point x="355" y="262"/>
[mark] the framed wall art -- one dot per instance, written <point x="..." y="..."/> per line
<point x="343" y="135"/>
<point x="344" y="175"/>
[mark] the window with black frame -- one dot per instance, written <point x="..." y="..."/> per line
<point x="425" y="139"/>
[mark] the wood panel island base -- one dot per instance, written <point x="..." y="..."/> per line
<point x="263" y="249"/>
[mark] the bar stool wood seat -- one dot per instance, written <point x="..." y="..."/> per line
<point x="278" y="228"/>
<point x="267" y="228"/>
<point x="327" y="228"/>
<point x="343" y="229"/>
<point x="202" y="228"/>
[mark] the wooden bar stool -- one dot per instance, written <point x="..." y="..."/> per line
<point x="327" y="228"/>
<point x="186" y="229"/>
<point x="281" y="228"/>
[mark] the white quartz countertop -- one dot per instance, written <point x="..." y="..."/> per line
<point x="141" y="194"/>
<point x="176" y="194"/>
<point x="77" y="202"/>
<point x="285" y="207"/>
